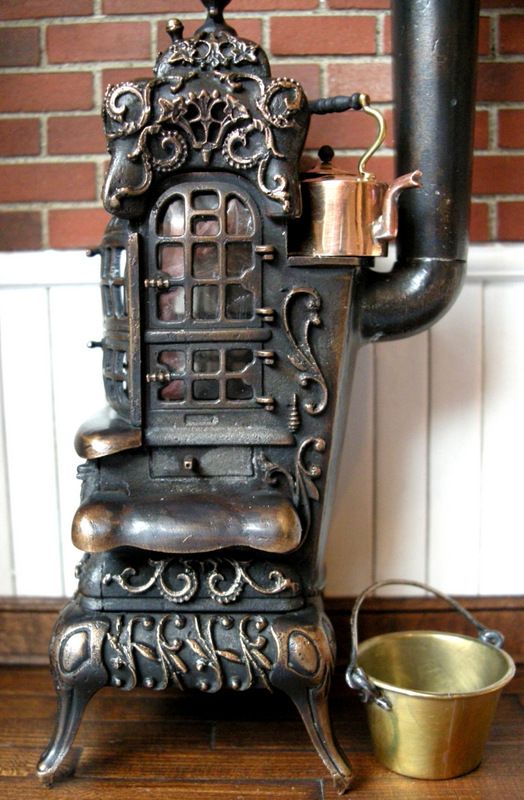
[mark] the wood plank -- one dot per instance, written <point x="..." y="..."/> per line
<point x="349" y="555"/>
<point x="349" y="724"/>
<point x="495" y="778"/>
<point x="455" y="445"/>
<point x="401" y="467"/>
<point x="15" y="789"/>
<point x="109" y="734"/>
<point x="500" y="775"/>
<point x="125" y="760"/>
<point x="28" y="408"/>
<point x="187" y="763"/>
<point x="14" y="679"/>
<point x="25" y="631"/>
<point x="502" y="539"/>
<point x="376" y="783"/>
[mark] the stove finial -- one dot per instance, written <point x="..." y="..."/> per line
<point x="215" y="16"/>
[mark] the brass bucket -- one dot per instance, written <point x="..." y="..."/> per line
<point x="431" y="697"/>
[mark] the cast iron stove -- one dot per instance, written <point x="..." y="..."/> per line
<point x="235" y="297"/>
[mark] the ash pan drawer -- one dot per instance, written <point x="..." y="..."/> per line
<point x="205" y="462"/>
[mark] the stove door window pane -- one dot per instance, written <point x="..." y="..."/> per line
<point x="239" y="302"/>
<point x="171" y="305"/>
<point x="172" y="223"/>
<point x="206" y="361"/>
<point x="123" y="263"/>
<point x="204" y="201"/>
<point x="205" y="390"/>
<point x="174" y="359"/>
<point x="205" y="226"/>
<point x="117" y="292"/>
<point x="173" y="392"/>
<point x="107" y="305"/>
<point x="172" y="260"/>
<point x="237" y="389"/>
<point x="205" y="261"/>
<point x="237" y="360"/>
<point x="205" y="302"/>
<point x="239" y="220"/>
<point x="239" y="258"/>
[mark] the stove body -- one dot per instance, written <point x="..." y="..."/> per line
<point x="228" y="353"/>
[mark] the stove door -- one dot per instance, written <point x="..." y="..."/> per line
<point x="205" y="335"/>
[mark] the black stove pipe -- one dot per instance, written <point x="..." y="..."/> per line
<point x="434" y="42"/>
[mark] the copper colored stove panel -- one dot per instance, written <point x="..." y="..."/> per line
<point x="236" y="293"/>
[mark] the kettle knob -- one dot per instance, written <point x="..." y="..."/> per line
<point x="326" y="154"/>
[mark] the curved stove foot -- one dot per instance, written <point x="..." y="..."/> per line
<point x="306" y="655"/>
<point x="78" y="672"/>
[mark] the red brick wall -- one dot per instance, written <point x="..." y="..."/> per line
<point x="57" y="56"/>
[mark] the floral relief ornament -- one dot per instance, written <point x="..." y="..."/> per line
<point x="216" y="50"/>
<point x="207" y="122"/>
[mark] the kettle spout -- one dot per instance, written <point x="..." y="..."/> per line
<point x="386" y="226"/>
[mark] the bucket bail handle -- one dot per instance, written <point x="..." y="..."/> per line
<point x="357" y="679"/>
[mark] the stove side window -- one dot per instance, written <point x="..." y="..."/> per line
<point x="115" y="371"/>
<point x="115" y="304"/>
<point x="112" y="281"/>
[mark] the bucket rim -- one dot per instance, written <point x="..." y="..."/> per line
<point x="492" y="688"/>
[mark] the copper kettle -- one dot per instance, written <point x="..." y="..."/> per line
<point x="350" y="215"/>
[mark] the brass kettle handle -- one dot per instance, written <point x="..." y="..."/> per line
<point x="379" y="139"/>
<point x="357" y="679"/>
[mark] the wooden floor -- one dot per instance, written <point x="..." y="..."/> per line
<point x="167" y="746"/>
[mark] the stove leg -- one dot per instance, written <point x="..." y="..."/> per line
<point x="78" y="671"/>
<point x="71" y="705"/>
<point x="306" y="658"/>
<point x="312" y="705"/>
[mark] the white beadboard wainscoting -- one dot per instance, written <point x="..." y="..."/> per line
<point x="431" y="484"/>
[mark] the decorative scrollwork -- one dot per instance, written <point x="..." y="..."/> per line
<point x="255" y="139"/>
<point x="167" y="150"/>
<point x="217" y="50"/>
<point x="225" y="580"/>
<point x="171" y="126"/>
<point x="235" y="586"/>
<point x="205" y="652"/>
<point x="124" y="100"/>
<point x="188" y="578"/>
<point x="302" y="484"/>
<point x="280" y="191"/>
<point x="286" y="95"/>
<point x="302" y="356"/>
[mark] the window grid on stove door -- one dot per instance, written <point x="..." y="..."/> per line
<point x="198" y="292"/>
<point x="220" y="383"/>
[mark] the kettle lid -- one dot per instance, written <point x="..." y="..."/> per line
<point x="325" y="170"/>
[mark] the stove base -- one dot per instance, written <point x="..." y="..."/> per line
<point x="292" y="652"/>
